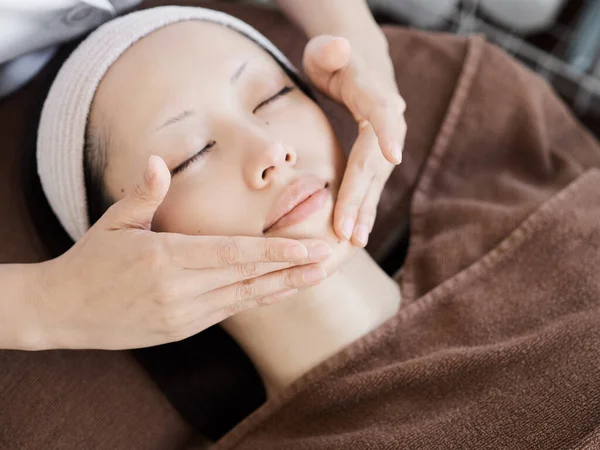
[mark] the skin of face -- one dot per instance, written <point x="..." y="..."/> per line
<point x="197" y="87"/>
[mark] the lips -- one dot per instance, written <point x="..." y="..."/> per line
<point x="299" y="200"/>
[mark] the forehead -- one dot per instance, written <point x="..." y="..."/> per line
<point x="186" y="62"/>
<point x="194" y="38"/>
<point x="182" y="54"/>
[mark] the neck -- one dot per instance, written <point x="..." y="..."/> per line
<point x="287" y="339"/>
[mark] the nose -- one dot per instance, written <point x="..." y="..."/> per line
<point x="267" y="162"/>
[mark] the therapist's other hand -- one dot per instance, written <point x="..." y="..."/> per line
<point x="123" y="286"/>
<point x="369" y="91"/>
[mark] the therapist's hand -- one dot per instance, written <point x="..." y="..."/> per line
<point x="123" y="286"/>
<point x="362" y="79"/>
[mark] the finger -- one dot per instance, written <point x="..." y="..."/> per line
<point x="335" y="70"/>
<point x="367" y="213"/>
<point x="384" y="110"/>
<point x="212" y="279"/>
<point x="232" y="299"/>
<point x="274" y="298"/>
<point x="324" y="55"/>
<point x="137" y="209"/>
<point x="200" y="252"/>
<point x="387" y="120"/>
<point x="355" y="184"/>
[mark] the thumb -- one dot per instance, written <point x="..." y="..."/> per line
<point x="324" y="55"/>
<point x="137" y="209"/>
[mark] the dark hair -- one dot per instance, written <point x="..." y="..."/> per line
<point x="95" y="160"/>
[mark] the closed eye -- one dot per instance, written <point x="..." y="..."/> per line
<point x="184" y="165"/>
<point x="282" y="92"/>
<point x="181" y="167"/>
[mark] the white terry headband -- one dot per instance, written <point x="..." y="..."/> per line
<point x="61" y="132"/>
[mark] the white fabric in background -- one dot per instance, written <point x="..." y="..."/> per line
<point x="29" y="29"/>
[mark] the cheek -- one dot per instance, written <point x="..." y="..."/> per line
<point x="307" y="129"/>
<point x="193" y="209"/>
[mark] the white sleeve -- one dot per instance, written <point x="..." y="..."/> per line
<point x="33" y="26"/>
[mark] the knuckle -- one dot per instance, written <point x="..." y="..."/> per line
<point x="171" y="319"/>
<point x="228" y="252"/>
<point x="394" y="104"/>
<point x="264" y="301"/>
<point x="269" y="251"/>
<point x="138" y="192"/>
<point x="235" y="308"/>
<point x="173" y="324"/>
<point x="246" y="289"/>
<point x="399" y="103"/>
<point x="166" y="293"/>
<point x="362" y="164"/>
<point x="384" y="102"/>
<point x="249" y="270"/>
<point x="289" y="279"/>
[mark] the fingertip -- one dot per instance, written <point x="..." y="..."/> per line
<point x="296" y="252"/>
<point x="151" y="165"/>
<point x="343" y="44"/>
<point x="337" y="228"/>
<point x="346" y="227"/>
<point x="157" y="174"/>
<point x="361" y="235"/>
<point x="320" y="251"/>
<point x="334" y="52"/>
<point x="394" y="153"/>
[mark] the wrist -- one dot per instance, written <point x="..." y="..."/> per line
<point x="20" y="325"/>
<point x="46" y="297"/>
<point x="36" y="334"/>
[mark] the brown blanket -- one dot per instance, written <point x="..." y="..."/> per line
<point x="495" y="344"/>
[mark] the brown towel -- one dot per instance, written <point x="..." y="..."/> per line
<point x="490" y="179"/>
<point x="497" y="344"/>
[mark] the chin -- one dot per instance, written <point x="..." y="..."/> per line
<point x="320" y="226"/>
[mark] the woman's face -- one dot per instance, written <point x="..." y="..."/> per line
<point x="242" y="141"/>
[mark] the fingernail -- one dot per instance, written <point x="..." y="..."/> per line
<point x="347" y="226"/>
<point x="362" y="233"/>
<point x="295" y="252"/>
<point x="149" y="173"/>
<point x="397" y="153"/>
<point x="314" y="275"/>
<point x="319" y="252"/>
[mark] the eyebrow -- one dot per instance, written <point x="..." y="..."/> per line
<point x="178" y="118"/>
<point x="236" y="75"/>
<point x="188" y="113"/>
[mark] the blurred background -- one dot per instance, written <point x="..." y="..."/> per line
<point x="559" y="39"/>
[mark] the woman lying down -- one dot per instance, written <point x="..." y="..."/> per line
<point x="496" y="343"/>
